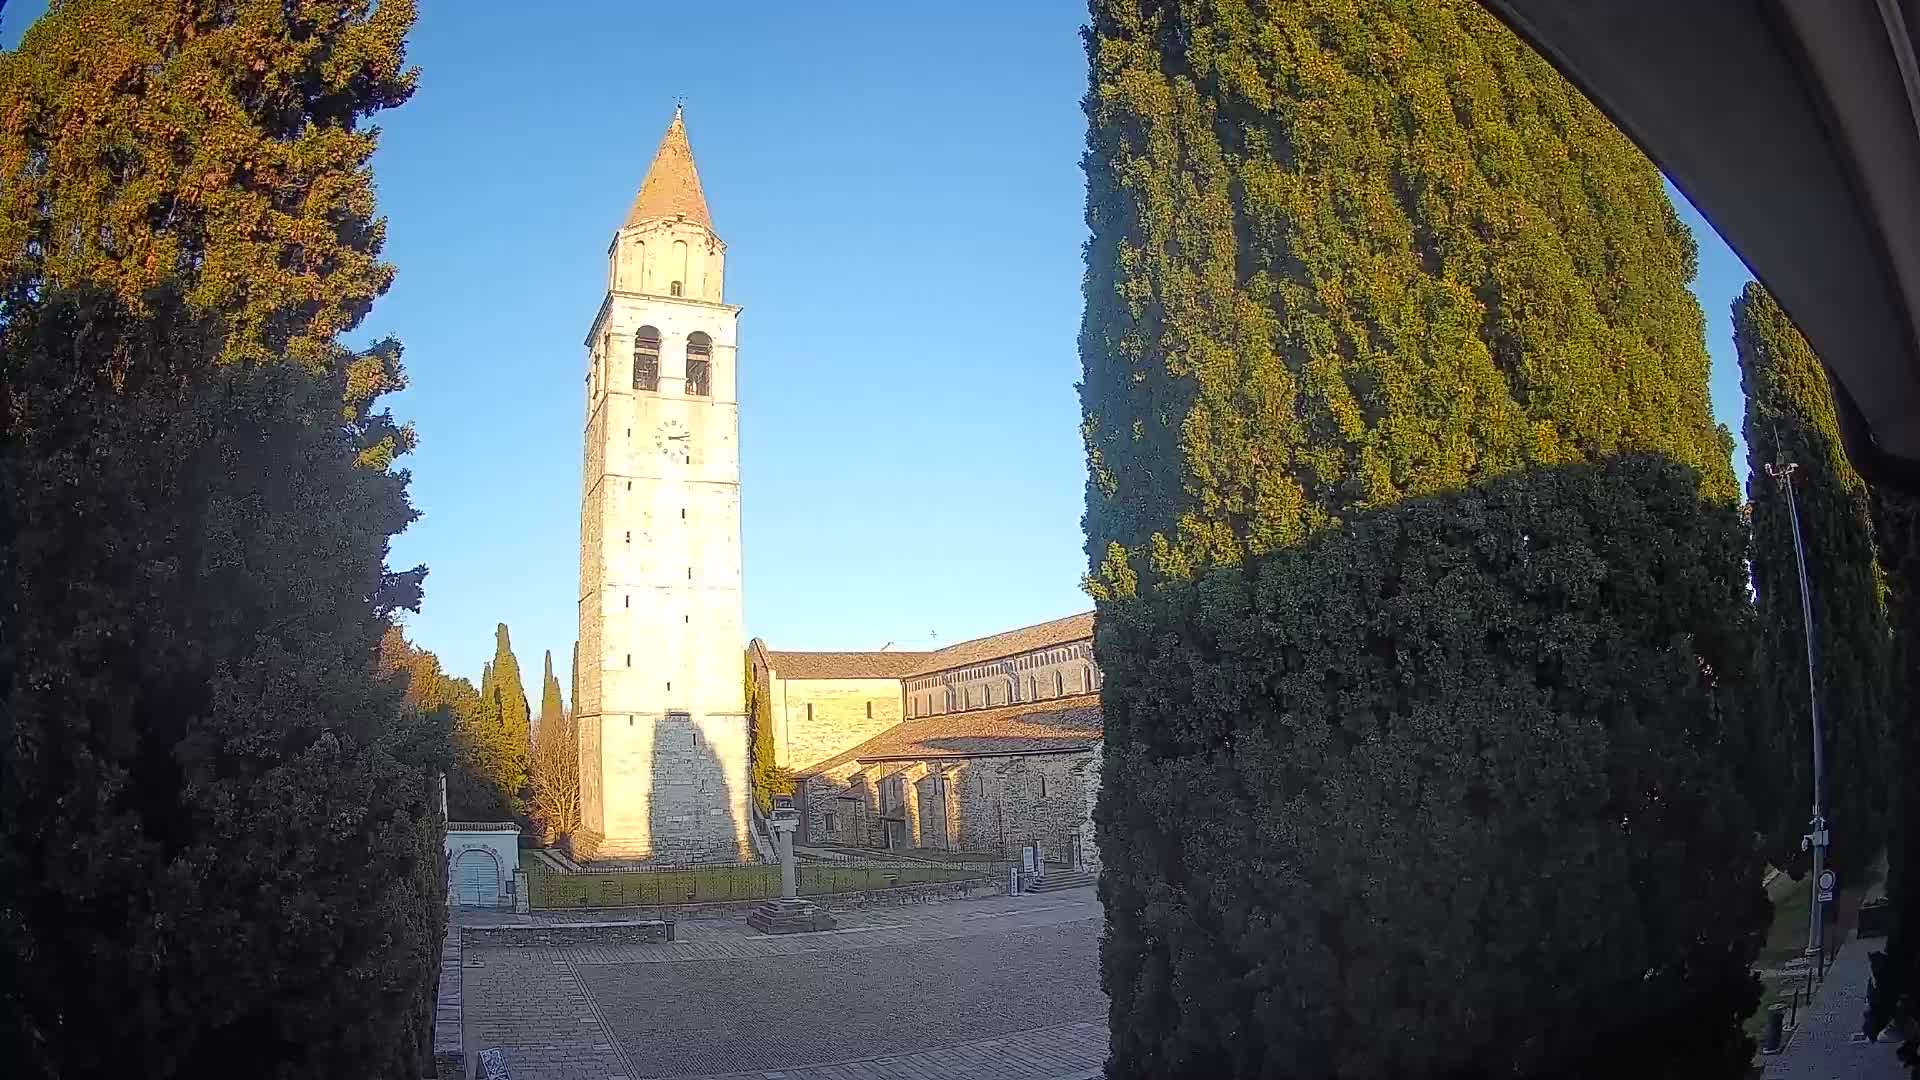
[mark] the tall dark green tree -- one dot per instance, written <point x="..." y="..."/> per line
<point x="1352" y="267"/>
<point x="219" y="144"/>
<point x="1895" y="993"/>
<point x="471" y="793"/>
<point x="768" y="778"/>
<point x="550" y="706"/>
<point x="505" y="701"/>
<point x="218" y="823"/>
<point x="1790" y="416"/>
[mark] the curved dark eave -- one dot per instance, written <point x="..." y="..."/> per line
<point x="1794" y="126"/>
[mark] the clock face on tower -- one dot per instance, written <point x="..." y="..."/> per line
<point x="671" y="439"/>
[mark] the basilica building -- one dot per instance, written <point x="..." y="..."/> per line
<point x="986" y="746"/>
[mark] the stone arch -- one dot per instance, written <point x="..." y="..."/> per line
<point x="462" y="896"/>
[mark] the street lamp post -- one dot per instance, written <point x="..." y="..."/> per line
<point x="1816" y="838"/>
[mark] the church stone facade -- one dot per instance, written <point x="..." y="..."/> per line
<point x="983" y="747"/>
<point x="662" y="709"/>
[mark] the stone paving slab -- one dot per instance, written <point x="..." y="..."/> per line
<point x="1823" y="1045"/>
<point x="1067" y="1052"/>
<point x="779" y="1012"/>
<point x="999" y="990"/>
<point x="734" y="945"/>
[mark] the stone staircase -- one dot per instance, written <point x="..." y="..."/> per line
<point x="1058" y="878"/>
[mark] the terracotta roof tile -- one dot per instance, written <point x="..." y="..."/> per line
<point x="1029" y="727"/>
<point x="843" y="665"/>
<point x="672" y="186"/>
<point x="1026" y="639"/>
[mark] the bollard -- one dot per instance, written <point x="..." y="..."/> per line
<point x="1775" y="1039"/>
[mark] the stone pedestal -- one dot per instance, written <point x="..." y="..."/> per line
<point x="789" y="915"/>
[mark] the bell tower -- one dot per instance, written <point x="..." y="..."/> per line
<point x="662" y="712"/>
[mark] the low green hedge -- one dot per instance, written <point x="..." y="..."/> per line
<point x="656" y="888"/>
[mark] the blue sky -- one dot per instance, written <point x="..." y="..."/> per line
<point x="902" y="209"/>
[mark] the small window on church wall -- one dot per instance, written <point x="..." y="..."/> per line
<point x="699" y="365"/>
<point x="1032" y="690"/>
<point x="830" y="827"/>
<point x="1043" y="786"/>
<point x="629" y="659"/>
<point x="1059" y="684"/>
<point x="646" y="359"/>
<point x="869" y="710"/>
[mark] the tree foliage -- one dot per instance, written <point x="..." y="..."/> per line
<point x="1444" y="792"/>
<point x="550" y="706"/>
<point x="220" y="847"/>
<point x="472" y="794"/>
<point x="504" y="717"/>
<point x="1376" y="301"/>
<point x="769" y="779"/>
<point x="1790" y="415"/>
<point x="217" y="143"/>
<point x="219" y="832"/>
<point x="554" y="771"/>
<point x="1348" y="252"/>
<point x="554" y="800"/>
<point x="1895" y="992"/>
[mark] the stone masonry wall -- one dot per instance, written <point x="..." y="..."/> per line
<point x="814" y="719"/>
<point x="987" y="804"/>
<point x="1002" y="804"/>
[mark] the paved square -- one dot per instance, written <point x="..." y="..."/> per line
<point x="1003" y="988"/>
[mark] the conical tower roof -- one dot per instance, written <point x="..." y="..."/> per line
<point x="672" y="186"/>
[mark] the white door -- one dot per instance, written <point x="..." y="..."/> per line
<point x="477" y="881"/>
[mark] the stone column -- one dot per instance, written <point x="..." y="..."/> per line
<point x="783" y="840"/>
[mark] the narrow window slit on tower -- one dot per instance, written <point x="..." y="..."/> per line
<point x="629" y="659"/>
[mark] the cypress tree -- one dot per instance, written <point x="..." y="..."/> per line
<point x="507" y="702"/>
<point x="550" y="707"/>
<point x="455" y="706"/>
<point x="769" y="779"/>
<point x="1388" y="325"/>
<point x="1344" y="253"/>
<point x="1790" y="414"/>
<point x="1895" y="992"/>
<point x="219" y="827"/>
<point x="221" y="146"/>
<point x="220" y="832"/>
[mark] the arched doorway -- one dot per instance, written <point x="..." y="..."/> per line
<point x="476" y="877"/>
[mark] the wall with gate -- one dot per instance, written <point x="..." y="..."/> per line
<point x="481" y="859"/>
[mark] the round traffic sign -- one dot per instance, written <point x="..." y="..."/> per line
<point x="1826" y="881"/>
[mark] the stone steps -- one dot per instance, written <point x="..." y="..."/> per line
<point x="1056" y="880"/>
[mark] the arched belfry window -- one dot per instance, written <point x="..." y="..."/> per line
<point x="646" y="359"/>
<point x="699" y="365"/>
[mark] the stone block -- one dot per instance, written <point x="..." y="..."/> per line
<point x="790" y="916"/>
